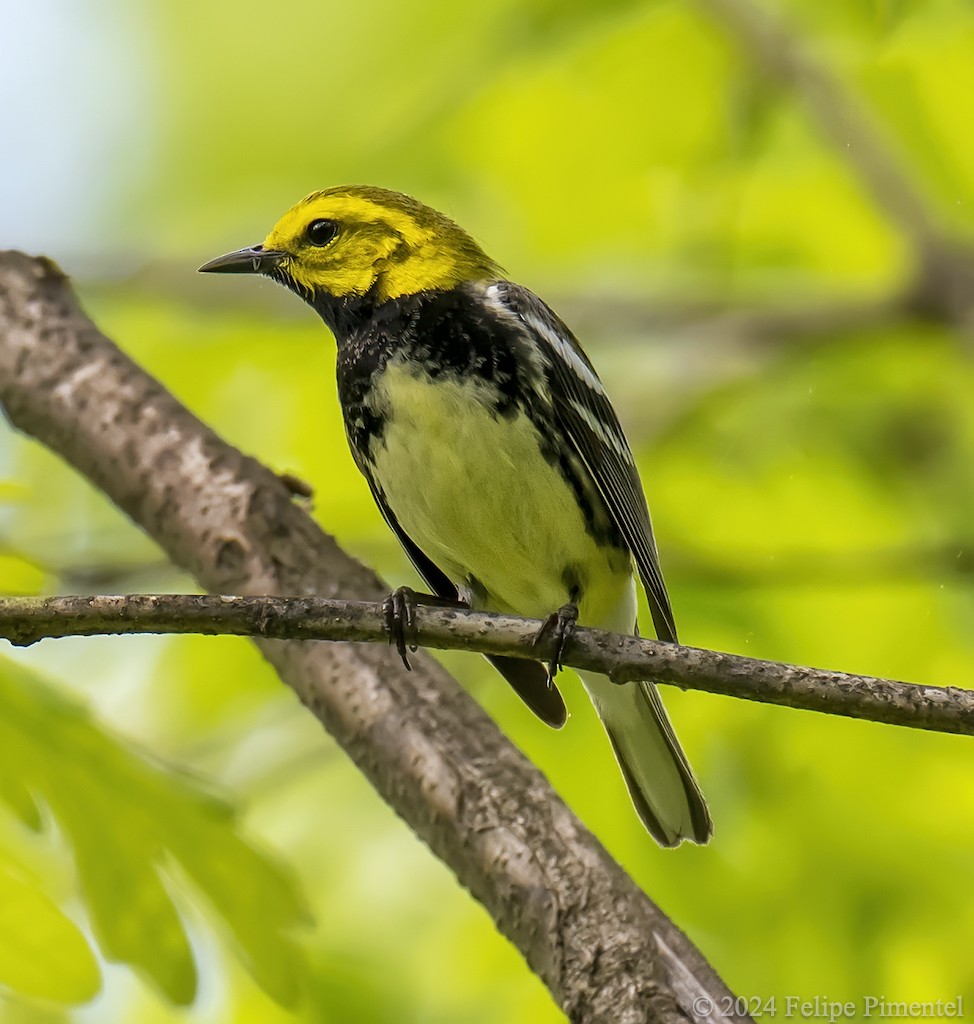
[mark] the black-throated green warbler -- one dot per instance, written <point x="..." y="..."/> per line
<point x="492" y="450"/>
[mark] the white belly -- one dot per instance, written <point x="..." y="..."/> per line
<point x="475" y="493"/>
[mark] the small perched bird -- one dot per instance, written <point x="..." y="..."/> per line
<point x="492" y="451"/>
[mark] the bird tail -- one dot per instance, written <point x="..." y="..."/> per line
<point x="667" y="797"/>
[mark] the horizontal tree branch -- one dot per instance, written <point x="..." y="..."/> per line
<point x="623" y="658"/>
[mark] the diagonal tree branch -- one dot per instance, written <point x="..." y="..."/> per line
<point x="605" y="951"/>
<point x="782" y="55"/>
<point x="944" y="286"/>
<point x="623" y="658"/>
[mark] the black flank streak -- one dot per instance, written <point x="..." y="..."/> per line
<point x="572" y="578"/>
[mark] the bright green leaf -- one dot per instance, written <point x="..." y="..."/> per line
<point x="42" y="952"/>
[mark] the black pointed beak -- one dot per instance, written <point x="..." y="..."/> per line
<point x="255" y="260"/>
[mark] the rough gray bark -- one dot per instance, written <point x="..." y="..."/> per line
<point x="605" y="951"/>
<point x="622" y="658"/>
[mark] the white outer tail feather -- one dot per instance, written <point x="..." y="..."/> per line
<point x="664" y="791"/>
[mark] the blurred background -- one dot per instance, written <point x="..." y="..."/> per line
<point x="759" y="231"/>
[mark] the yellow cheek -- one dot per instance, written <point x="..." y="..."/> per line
<point x="338" y="278"/>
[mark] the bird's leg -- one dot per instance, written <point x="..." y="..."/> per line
<point x="399" y="610"/>
<point x="561" y="625"/>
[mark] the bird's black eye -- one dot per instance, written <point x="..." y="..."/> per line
<point x="321" y="232"/>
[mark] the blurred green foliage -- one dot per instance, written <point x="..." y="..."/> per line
<point x="128" y="822"/>
<point x="812" y="491"/>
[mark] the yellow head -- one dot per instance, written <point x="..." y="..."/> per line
<point x="355" y="240"/>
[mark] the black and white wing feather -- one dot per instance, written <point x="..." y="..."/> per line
<point x="586" y="418"/>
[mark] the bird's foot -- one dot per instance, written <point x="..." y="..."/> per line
<point x="560" y="625"/>
<point x="399" y="613"/>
